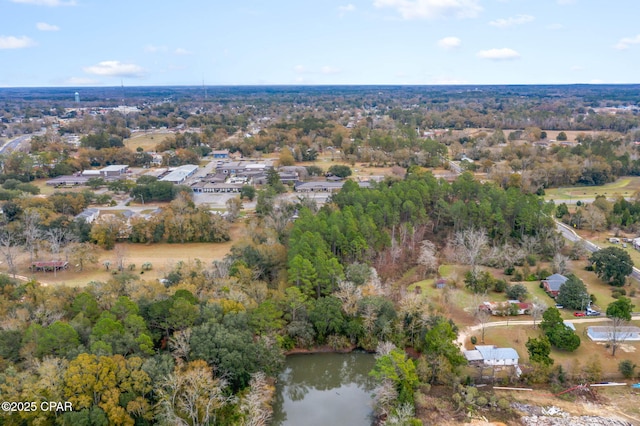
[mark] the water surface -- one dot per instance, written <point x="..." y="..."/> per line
<point x="325" y="389"/>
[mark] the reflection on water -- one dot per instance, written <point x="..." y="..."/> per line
<point x="325" y="389"/>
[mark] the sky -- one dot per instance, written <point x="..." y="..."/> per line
<point x="75" y="43"/>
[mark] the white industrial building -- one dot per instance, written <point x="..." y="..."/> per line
<point x="180" y="174"/>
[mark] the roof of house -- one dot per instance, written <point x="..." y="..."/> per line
<point x="87" y="213"/>
<point x="555" y="281"/>
<point x="114" y="168"/>
<point x="605" y="333"/>
<point x="491" y="352"/>
<point x="474" y="355"/>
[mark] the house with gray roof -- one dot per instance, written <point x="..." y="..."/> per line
<point x="492" y="355"/>
<point x="552" y="284"/>
<point x="607" y="334"/>
<point x="88" y="215"/>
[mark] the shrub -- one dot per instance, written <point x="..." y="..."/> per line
<point x="503" y="404"/>
<point x="531" y="259"/>
<point x="509" y="270"/>
<point x="474" y="340"/>
<point x="500" y="286"/>
<point x="618" y="292"/>
<point x="517" y="292"/>
<point x="626" y="367"/>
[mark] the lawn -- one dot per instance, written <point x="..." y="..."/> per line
<point x="163" y="257"/>
<point x="625" y="186"/>
<point x="146" y="141"/>
<point x="515" y="336"/>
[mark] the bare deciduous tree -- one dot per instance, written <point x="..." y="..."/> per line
<point x="58" y="238"/>
<point x="256" y="405"/>
<point x="537" y="309"/>
<point x="234" y="205"/>
<point x="471" y="248"/>
<point x="596" y="219"/>
<point x="427" y="256"/>
<point x="191" y="396"/>
<point x="560" y="264"/>
<point x="31" y="231"/>
<point x="9" y="247"/>
<point x="179" y="344"/>
<point x="349" y="294"/>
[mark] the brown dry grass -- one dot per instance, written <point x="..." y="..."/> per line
<point x="163" y="257"/>
<point x="146" y="141"/>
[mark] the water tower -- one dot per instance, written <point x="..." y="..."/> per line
<point x="77" y="96"/>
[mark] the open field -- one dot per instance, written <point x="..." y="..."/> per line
<point x="162" y="256"/>
<point x="625" y="186"/>
<point x="146" y="141"/>
<point x="516" y="336"/>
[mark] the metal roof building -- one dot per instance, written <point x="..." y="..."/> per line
<point x="180" y="174"/>
<point x="605" y="334"/>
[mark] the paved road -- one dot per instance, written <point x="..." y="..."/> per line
<point x="13" y="144"/>
<point x="570" y="235"/>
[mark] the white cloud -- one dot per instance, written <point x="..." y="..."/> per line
<point x="80" y="81"/>
<point x="150" y="48"/>
<point x="115" y="69"/>
<point x="329" y="70"/>
<point x="511" y="21"/>
<point x="449" y="43"/>
<point x="50" y="3"/>
<point x="346" y="9"/>
<point x="11" y="42"/>
<point x="498" y="54"/>
<point x="627" y="42"/>
<point x="43" y="26"/>
<point x="432" y="9"/>
<point x="181" y="51"/>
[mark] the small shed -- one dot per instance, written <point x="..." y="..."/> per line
<point x="50" y="266"/>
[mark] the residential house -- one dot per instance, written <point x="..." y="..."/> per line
<point x="552" y="284"/>
<point x="88" y="215"/>
<point x="220" y="153"/>
<point x="606" y="334"/>
<point x="506" y="308"/>
<point x="492" y="355"/>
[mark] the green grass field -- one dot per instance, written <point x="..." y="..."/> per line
<point x="625" y="186"/>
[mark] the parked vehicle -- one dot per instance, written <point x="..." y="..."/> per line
<point x="579" y="314"/>
<point x="559" y="306"/>
<point x="593" y="313"/>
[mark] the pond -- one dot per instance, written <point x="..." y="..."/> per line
<point x="325" y="389"/>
